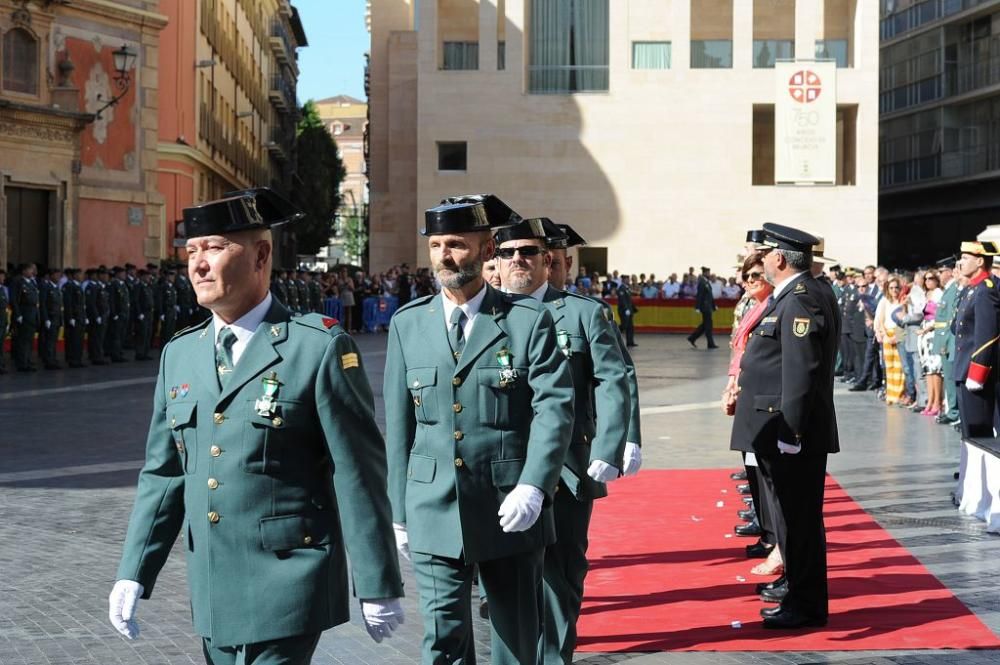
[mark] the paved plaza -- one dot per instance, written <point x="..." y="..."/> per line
<point x="72" y="442"/>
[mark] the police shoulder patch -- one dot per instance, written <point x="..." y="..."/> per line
<point x="799" y="288"/>
<point x="800" y="326"/>
<point x="989" y="282"/>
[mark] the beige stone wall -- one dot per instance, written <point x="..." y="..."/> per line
<point x="659" y="169"/>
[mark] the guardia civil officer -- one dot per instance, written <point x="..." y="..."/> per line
<point x="263" y="446"/>
<point x="74" y="317"/>
<point x="479" y="414"/>
<point x="98" y="303"/>
<point x="562" y="264"/>
<point x="587" y="339"/>
<point x="785" y="415"/>
<point x="119" y="317"/>
<point x="145" y="307"/>
<point x="25" y="317"/>
<point x="976" y="328"/>
<point x="51" y="308"/>
<point x="166" y="306"/>
<point x="4" y="318"/>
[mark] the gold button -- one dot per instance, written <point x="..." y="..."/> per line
<point x="180" y="447"/>
<point x="457" y="381"/>
<point x="277" y="422"/>
<point x="770" y="409"/>
<point x="307" y="540"/>
<point x="218" y="418"/>
<point x="585" y="439"/>
<point x="213" y="483"/>
<point x="416" y="401"/>
<point x="458" y="435"/>
<point x="173" y="422"/>
<point x="457" y="407"/>
<point x="416" y="384"/>
<point x="213" y="517"/>
<point x="215" y="451"/>
<point x="459" y="462"/>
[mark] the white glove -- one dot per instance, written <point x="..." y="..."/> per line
<point x="20" y="319"/>
<point x="402" y="540"/>
<point x="603" y="472"/>
<point x="520" y="510"/>
<point x="99" y="321"/>
<point x="973" y="386"/>
<point x="121" y="607"/>
<point x="628" y="312"/>
<point x="161" y="316"/>
<point x="142" y="317"/>
<point x="788" y="448"/>
<point x="633" y="458"/>
<point x="48" y="324"/>
<point x="86" y="322"/>
<point x="72" y="323"/>
<point x="177" y="308"/>
<point x="382" y="616"/>
<point x="114" y="318"/>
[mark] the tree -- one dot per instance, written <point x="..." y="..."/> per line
<point x="320" y="172"/>
<point x="355" y="234"/>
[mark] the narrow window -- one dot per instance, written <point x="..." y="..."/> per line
<point x="452" y="155"/>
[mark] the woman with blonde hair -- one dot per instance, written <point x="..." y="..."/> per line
<point x="887" y="333"/>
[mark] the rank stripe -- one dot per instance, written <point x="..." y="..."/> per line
<point x="985" y="346"/>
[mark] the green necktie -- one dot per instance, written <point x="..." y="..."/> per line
<point x="456" y="334"/>
<point x="224" y="355"/>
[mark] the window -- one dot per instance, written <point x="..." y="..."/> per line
<point x="773" y="32"/>
<point x="763" y="145"/>
<point x="767" y="51"/>
<point x="712" y="34"/>
<point x="20" y="62"/>
<point x="712" y="54"/>
<point x="452" y="155"/>
<point x="501" y="55"/>
<point x="832" y="49"/>
<point x="650" y="55"/>
<point x="461" y="55"/>
<point x="568" y="46"/>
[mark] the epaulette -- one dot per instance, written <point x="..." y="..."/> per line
<point x="190" y="329"/>
<point x="800" y="288"/>
<point x="988" y="282"/>
<point x="520" y="300"/>
<point x="422" y="300"/>
<point x="319" y="322"/>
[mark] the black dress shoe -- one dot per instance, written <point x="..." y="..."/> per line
<point x="945" y="420"/>
<point x="691" y="342"/>
<point x="770" y="611"/>
<point x="779" y="581"/>
<point x="743" y="489"/>
<point x="758" y="550"/>
<point x="714" y="346"/>
<point x="858" y="387"/>
<point x="747" y="515"/>
<point x="738" y="475"/>
<point x="748" y="529"/>
<point x="792" y="619"/>
<point x="748" y="500"/>
<point x="775" y="595"/>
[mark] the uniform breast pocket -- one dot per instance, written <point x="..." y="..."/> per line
<point x="421" y="382"/>
<point x="502" y="403"/>
<point x="181" y="417"/>
<point x="277" y="441"/>
<point x="769" y="329"/>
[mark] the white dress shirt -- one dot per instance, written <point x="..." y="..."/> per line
<point x="243" y="327"/>
<point x="470" y="307"/>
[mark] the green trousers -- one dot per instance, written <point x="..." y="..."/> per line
<point x="564" y="571"/>
<point x="296" y="650"/>
<point x="950" y="388"/>
<point x="514" y="591"/>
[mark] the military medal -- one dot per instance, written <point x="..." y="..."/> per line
<point x="185" y="388"/>
<point x="508" y="375"/>
<point x="265" y="403"/>
<point x="173" y="392"/>
<point x="562" y="337"/>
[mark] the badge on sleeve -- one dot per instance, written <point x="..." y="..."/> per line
<point x="800" y="327"/>
<point x="349" y="360"/>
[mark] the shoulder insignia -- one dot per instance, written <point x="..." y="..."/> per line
<point x="558" y="302"/>
<point x="185" y="331"/>
<point x="349" y="360"/>
<point x="769" y="319"/>
<point x="989" y="283"/>
<point x="799" y="288"/>
<point x="275" y="331"/>
<point x="800" y="327"/>
<point x="329" y="322"/>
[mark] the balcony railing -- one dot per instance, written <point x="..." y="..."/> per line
<point x="282" y="93"/>
<point x="972" y="161"/>
<point x="281" y="41"/>
<point x="921" y="13"/>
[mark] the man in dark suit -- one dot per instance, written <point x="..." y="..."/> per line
<point x="785" y="415"/>
<point x="74" y="317"/>
<point x="704" y="302"/>
<point x="626" y="311"/>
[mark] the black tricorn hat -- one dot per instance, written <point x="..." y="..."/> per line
<point x="538" y="228"/>
<point x="756" y="236"/>
<point x="573" y="239"/>
<point x="778" y="236"/>
<point x="241" y="210"/>
<point x="468" y="214"/>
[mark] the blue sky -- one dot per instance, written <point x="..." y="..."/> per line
<point x="334" y="61"/>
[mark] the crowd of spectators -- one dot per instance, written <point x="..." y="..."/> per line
<point x="649" y="287"/>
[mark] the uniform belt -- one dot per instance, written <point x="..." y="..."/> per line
<point x="941" y="324"/>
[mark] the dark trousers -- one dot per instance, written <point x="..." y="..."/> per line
<point x="565" y="569"/>
<point x="704" y="328"/>
<point x="976" y="409"/>
<point x="21" y="341"/>
<point x="628" y="328"/>
<point x="116" y="338"/>
<point x="47" y="339"/>
<point x="73" y="338"/>
<point x="143" y="337"/>
<point x="799" y="484"/>
<point x="872" y="372"/>
<point x="296" y="650"/>
<point x="859" y="348"/>
<point x="765" y="504"/>
<point x="846" y="356"/>
<point x="3" y="337"/>
<point x="167" y="329"/>
<point x="95" y="341"/>
<point x="514" y="590"/>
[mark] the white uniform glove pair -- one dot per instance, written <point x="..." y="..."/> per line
<point x="382" y="616"/>
<point x="972" y="385"/>
<point x="633" y="458"/>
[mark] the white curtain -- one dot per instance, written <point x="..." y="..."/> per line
<point x="650" y="55"/>
<point x="551" y="27"/>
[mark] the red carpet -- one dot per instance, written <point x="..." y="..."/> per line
<point x="665" y="578"/>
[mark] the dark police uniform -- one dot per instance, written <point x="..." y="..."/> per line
<point x="279" y="288"/>
<point x="786" y="395"/>
<point x="145" y="312"/>
<point x="270" y="494"/>
<point x="74" y="319"/>
<point x="464" y="429"/>
<point x="4" y="324"/>
<point x="98" y="304"/>
<point x="626" y="313"/>
<point x="166" y="308"/>
<point x="52" y="319"/>
<point x="705" y="304"/>
<point x="119" y="318"/>
<point x="25" y="314"/>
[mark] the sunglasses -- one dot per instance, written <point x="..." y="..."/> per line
<point x="752" y="276"/>
<point x="507" y="253"/>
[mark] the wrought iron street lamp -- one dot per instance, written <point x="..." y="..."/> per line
<point x="124" y="59"/>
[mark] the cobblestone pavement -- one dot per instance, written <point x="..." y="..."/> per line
<point x="72" y="442"/>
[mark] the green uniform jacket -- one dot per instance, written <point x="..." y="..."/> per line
<point x="266" y="503"/>
<point x="24" y="302"/>
<point x="601" y="386"/>
<point x="634" y="424"/>
<point x="458" y="440"/>
<point x="52" y="306"/>
<point x="944" y="339"/>
<point x="121" y="301"/>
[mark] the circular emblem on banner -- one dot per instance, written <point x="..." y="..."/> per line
<point x="805" y="86"/>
